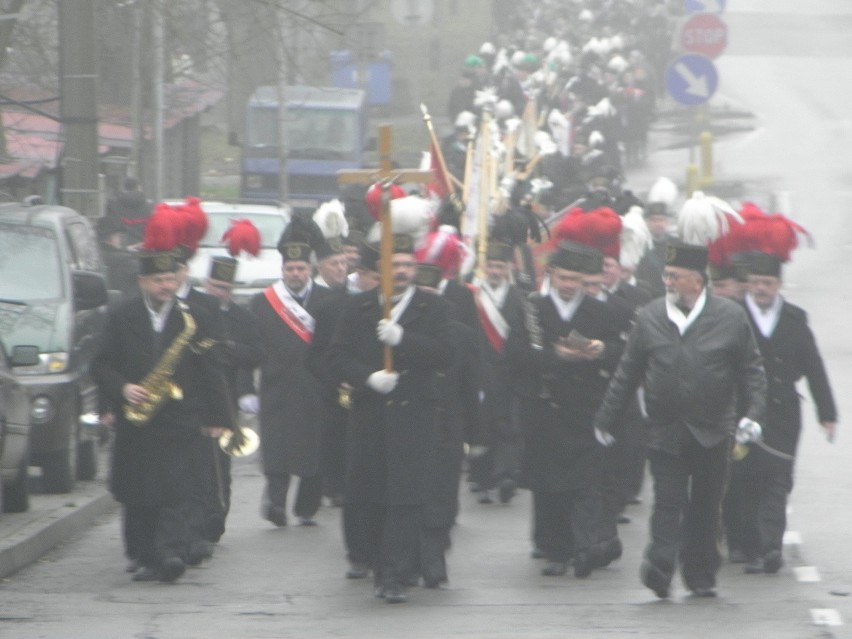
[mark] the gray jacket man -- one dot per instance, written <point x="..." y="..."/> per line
<point x="695" y="354"/>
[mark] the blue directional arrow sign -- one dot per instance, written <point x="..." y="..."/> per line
<point x="705" y="6"/>
<point x="691" y="79"/>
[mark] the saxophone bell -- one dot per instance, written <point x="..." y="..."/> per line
<point x="243" y="445"/>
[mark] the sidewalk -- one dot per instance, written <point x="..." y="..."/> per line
<point x="50" y="521"/>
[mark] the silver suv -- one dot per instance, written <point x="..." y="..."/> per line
<point x="14" y="429"/>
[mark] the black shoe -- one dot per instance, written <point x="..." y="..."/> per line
<point x="133" y="565"/>
<point x="485" y="497"/>
<point x="507" y="490"/>
<point x="612" y="550"/>
<point x="171" y="569"/>
<point x="146" y="574"/>
<point x="584" y="564"/>
<point x="307" y="521"/>
<point x="555" y="569"/>
<point x="394" y="594"/>
<point x="538" y="553"/>
<point x="753" y="567"/>
<point x="357" y="571"/>
<point x="198" y="552"/>
<point x="704" y="592"/>
<point x="623" y="519"/>
<point x="276" y="515"/>
<point x="653" y="578"/>
<point x="772" y="562"/>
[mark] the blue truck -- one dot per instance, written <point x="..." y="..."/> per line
<point x="327" y="131"/>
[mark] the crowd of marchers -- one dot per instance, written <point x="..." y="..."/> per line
<point x="584" y="344"/>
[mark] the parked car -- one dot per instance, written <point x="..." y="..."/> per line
<point x="49" y="259"/>
<point x="254" y="273"/>
<point x="14" y="428"/>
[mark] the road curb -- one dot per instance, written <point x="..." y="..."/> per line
<point x="26" y="537"/>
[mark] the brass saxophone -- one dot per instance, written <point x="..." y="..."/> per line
<point x="158" y="382"/>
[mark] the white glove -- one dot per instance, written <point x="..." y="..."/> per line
<point x="748" y="431"/>
<point x="388" y="332"/>
<point x="383" y="382"/>
<point x="249" y="403"/>
<point x="604" y="438"/>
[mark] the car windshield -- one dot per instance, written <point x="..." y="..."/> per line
<point x="29" y="263"/>
<point x="269" y="226"/>
<point x="312" y="133"/>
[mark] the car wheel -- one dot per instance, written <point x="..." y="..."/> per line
<point x="16" y="494"/>
<point x="87" y="460"/>
<point x="59" y="468"/>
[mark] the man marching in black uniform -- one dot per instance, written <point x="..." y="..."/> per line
<point x="290" y="397"/>
<point x="458" y="423"/>
<point x="337" y="405"/>
<point x="499" y="306"/>
<point x="561" y="357"/>
<point x="393" y="413"/>
<point x="156" y="371"/>
<point x="239" y="352"/>
<point x="762" y="480"/>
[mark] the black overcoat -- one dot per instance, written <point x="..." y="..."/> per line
<point x="788" y="355"/>
<point x="290" y="410"/>
<point x="559" y="398"/>
<point x="150" y="462"/>
<point x="391" y="435"/>
<point x="457" y="423"/>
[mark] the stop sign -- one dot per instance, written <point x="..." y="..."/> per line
<point x="704" y="33"/>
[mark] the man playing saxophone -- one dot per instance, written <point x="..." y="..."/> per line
<point x="157" y="374"/>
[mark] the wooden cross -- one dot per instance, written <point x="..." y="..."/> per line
<point x="386" y="175"/>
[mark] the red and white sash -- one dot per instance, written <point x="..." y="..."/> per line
<point x="495" y="326"/>
<point x="290" y="311"/>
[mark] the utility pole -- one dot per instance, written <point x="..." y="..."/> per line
<point x="285" y="30"/>
<point x="78" y="108"/>
<point x="158" y="189"/>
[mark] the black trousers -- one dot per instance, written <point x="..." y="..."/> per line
<point x="505" y="446"/>
<point x="355" y="534"/>
<point x="434" y="543"/>
<point x="333" y="449"/>
<point x="308" y="497"/>
<point x="393" y="536"/>
<point x="205" y="510"/>
<point x="755" y="510"/>
<point x="688" y="490"/>
<point x="155" y="533"/>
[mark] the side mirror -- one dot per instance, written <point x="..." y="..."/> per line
<point x="89" y="290"/>
<point x="24" y="356"/>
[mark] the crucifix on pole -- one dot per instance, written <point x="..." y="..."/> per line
<point x="385" y="175"/>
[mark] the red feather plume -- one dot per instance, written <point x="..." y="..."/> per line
<point x="193" y="222"/>
<point x="373" y="198"/>
<point x="770" y="233"/>
<point x="161" y="233"/>
<point x="242" y="235"/>
<point x="599" y="228"/>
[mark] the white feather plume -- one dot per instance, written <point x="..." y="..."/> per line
<point x="544" y="143"/>
<point x="485" y="98"/>
<point x="704" y="218"/>
<point x="331" y="218"/>
<point x="410" y="215"/>
<point x="635" y="239"/>
<point x="664" y="190"/>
